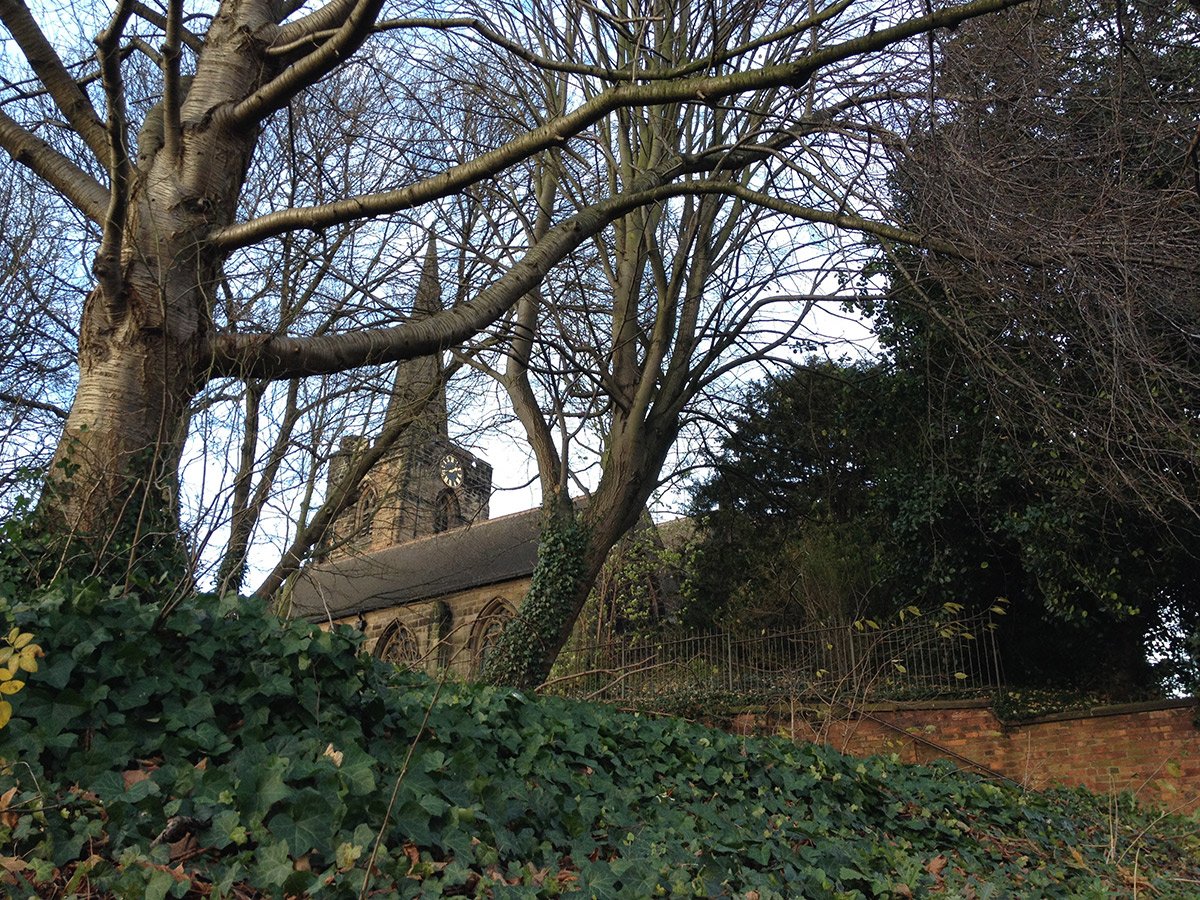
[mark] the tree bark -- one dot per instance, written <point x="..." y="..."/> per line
<point x="146" y="329"/>
<point x="575" y="542"/>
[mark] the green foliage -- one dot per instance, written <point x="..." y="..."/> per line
<point x="223" y="752"/>
<point x="637" y="591"/>
<point x="521" y="657"/>
<point x="863" y="489"/>
<point x="1029" y="430"/>
<point x="787" y="539"/>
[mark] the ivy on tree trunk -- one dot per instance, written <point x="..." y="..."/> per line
<point x="530" y="642"/>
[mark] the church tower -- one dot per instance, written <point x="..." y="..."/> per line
<point x="424" y="482"/>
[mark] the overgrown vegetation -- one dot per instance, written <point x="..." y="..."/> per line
<point x="226" y="754"/>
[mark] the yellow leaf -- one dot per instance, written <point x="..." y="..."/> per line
<point x="29" y="655"/>
<point x="22" y="640"/>
<point x="11" y="687"/>
<point x="5" y="712"/>
<point x="12" y="635"/>
<point x="5" y="654"/>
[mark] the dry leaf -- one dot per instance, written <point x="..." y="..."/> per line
<point x="133" y="776"/>
<point x="12" y="863"/>
<point x="184" y="848"/>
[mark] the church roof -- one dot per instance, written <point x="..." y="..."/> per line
<point x="479" y="554"/>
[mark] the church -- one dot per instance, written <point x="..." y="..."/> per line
<point x="415" y="562"/>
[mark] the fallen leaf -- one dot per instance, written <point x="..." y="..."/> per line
<point x="566" y="879"/>
<point x="133" y="776"/>
<point x="184" y="848"/>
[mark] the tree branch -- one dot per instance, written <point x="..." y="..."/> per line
<point x="107" y="262"/>
<point x="845" y="221"/>
<point x="274" y="357"/>
<point x="171" y="98"/>
<point x="555" y="132"/>
<point x="157" y="19"/>
<point x="275" y="94"/>
<point x="68" y="96"/>
<point x="327" y="19"/>
<point x="604" y="73"/>
<point x="17" y="400"/>
<point x="85" y="193"/>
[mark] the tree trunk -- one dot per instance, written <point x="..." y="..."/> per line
<point x="113" y="486"/>
<point x="574" y="546"/>
<point x="144" y="339"/>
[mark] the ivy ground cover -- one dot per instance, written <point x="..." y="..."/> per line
<point x="226" y="754"/>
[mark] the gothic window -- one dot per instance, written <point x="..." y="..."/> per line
<point x="364" y="512"/>
<point x="487" y="630"/>
<point x="398" y="646"/>
<point x="447" y="513"/>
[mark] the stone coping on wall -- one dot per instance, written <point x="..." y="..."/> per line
<point x="1118" y="709"/>
<point x="1094" y="712"/>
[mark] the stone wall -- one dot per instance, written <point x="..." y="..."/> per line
<point x="448" y="632"/>
<point x="1151" y="749"/>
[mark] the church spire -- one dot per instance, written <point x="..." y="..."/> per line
<point x="428" y="299"/>
<point x="420" y="382"/>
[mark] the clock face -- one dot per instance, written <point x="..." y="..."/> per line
<point x="451" y="470"/>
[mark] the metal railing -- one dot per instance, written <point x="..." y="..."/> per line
<point x="918" y="659"/>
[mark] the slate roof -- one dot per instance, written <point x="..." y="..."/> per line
<point x="475" y="555"/>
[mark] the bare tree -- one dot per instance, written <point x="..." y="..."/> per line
<point x="607" y="360"/>
<point x="39" y="305"/>
<point x="1062" y="163"/>
<point x="172" y="216"/>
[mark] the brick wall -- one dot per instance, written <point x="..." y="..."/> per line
<point x="1151" y="749"/>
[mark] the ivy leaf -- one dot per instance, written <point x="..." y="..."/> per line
<point x="306" y="824"/>
<point x="274" y="865"/>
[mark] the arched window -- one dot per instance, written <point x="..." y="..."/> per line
<point x="364" y="511"/>
<point x="489" y="625"/>
<point x="447" y="513"/>
<point x="398" y="646"/>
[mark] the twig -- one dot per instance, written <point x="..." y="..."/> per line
<point x="396" y="788"/>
